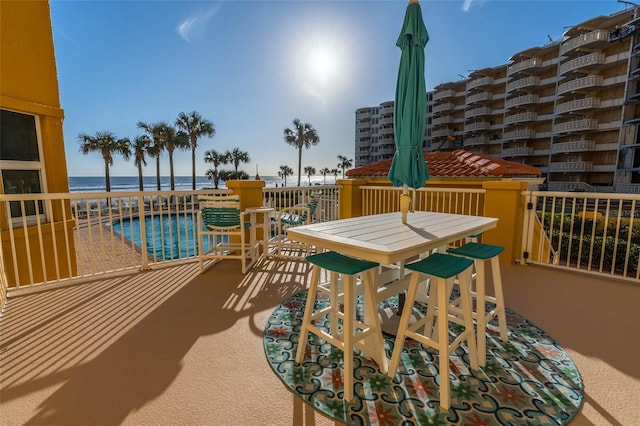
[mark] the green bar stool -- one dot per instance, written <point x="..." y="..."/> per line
<point x="364" y="335"/>
<point x="480" y="253"/>
<point x="443" y="270"/>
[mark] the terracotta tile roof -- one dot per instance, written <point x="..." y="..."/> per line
<point x="459" y="163"/>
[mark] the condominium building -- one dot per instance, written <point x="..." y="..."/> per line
<point x="570" y="108"/>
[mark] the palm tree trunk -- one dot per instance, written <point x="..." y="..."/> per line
<point x="299" y="163"/>
<point x="140" y="180"/>
<point x="106" y="176"/>
<point x="158" y="172"/>
<point x="193" y="167"/>
<point x="173" y="186"/>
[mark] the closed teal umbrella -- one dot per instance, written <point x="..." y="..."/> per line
<point x="408" y="168"/>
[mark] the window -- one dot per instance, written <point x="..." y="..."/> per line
<point x="21" y="166"/>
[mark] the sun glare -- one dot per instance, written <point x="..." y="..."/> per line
<point x="322" y="65"/>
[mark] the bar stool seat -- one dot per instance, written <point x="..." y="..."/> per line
<point x="480" y="253"/>
<point x="363" y="335"/>
<point x="442" y="269"/>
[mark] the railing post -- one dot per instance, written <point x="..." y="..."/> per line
<point x="504" y="201"/>
<point x="250" y="193"/>
<point x="350" y="197"/>
<point x="143" y="233"/>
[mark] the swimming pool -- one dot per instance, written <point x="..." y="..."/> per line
<point x="167" y="236"/>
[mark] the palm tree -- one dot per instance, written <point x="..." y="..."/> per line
<point x="344" y="163"/>
<point x="226" y="175"/>
<point x="157" y="133"/>
<point x="335" y="172"/>
<point x="140" y="145"/>
<point x="310" y="171"/>
<point x="106" y="144"/>
<point x="236" y="157"/>
<point x="174" y="140"/>
<point x="324" y="172"/>
<point x="214" y="157"/>
<point x="301" y="136"/>
<point x="284" y="172"/>
<point x="195" y="126"/>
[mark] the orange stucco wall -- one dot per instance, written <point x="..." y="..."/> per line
<point x="29" y="84"/>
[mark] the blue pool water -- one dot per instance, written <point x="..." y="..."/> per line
<point x="168" y="236"/>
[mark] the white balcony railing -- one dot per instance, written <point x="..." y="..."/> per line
<point x="480" y="125"/>
<point x="576" y="126"/>
<point x="447" y="106"/>
<point x="571" y="166"/>
<point x="521" y="100"/>
<point x="478" y="112"/>
<point x="578" y="104"/>
<point x="519" y="134"/>
<point x="478" y="97"/>
<point x="476" y="140"/>
<point x="517" y="152"/>
<point x="524" y="65"/>
<point x="519" y="118"/>
<point x="523" y="82"/>
<point x="573" y="146"/>
<point x="583" y="40"/>
<point x="580" y="84"/>
<point x="443" y="94"/>
<point x="478" y="82"/>
<point x="591" y="59"/>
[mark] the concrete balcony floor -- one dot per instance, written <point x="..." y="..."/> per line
<point x="170" y="346"/>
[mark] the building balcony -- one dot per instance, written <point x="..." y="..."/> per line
<point x="576" y="126"/>
<point x="523" y="151"/>
<point x="587" y="39"/>
<point x="573" y="146"/>
<point x="480" y="125"/>
<point x="522" y="83"/>
<point x="571" y="166"/>
<point x="476" y="112"/>
<point x="443" y="94"/>
<point x="578" y="104"/>
<point x="520" y="118"/>
<point x="479" y="82"/>
<point x="476" y="140"/>
<point x="442" y="119"/>
<point x="478" y="97"/>
<point x="386" y="120"/>
<point x="582" y="83"/>
<point x="519" y="134"/>
<point x="524" y="65"/>
<point x="585" y="61"/>
<point x="521" y="100"/>
<point x="386" y="108"/>
<point x="447" y="106"/>
<point x="441" y="132"/>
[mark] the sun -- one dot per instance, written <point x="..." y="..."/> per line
<point x="322" y="65"/>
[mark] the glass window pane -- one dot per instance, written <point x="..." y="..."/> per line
<point x="22" y="182"/>
<point x="18" y="138"/>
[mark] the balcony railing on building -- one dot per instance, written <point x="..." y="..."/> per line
<point x="479" y="82"/>
<point x="517" y="152"/>
<point x="520" y="118"/>
<point x="576" y="126"/>
<point x="523" y="82"/>
<point x="476" y="140"/>
<point x="479" y="125"/>
<point x="443" y="119"/>
<point x="578" y="104"/>
<point x="521" y="100"/>
<point x="476" y="112"/>
<point x="443" y="94"/>
<point x="591" y="59"/>
<point x="571" y="166"/>
<point x="573" y="146"/>
<point x="478" y="97"/>
<point x="580" y="84"/>
<point x="584" y="39"/>
<point x="447" y="106"/>
<point x="524" y="65"/>
<point x="519" y="134"/>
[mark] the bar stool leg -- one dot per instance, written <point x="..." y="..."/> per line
<point x="308" y="312"/>
<point x="372" y="318"/>
<point x="403" y="326"/>
<point x="500" y="308"/>
<point x="348" y="335"/>
<point x="481" y="317"/>
<point x="465" y="294"/>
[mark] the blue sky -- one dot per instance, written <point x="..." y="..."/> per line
<point x="251" y="67"/>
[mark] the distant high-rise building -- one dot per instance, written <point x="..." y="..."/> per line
<point x="571" y="108"/>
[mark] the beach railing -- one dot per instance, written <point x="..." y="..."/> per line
<point x="56" y="238"/>
<point x="328" y="197"/>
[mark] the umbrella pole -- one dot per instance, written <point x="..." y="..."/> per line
<point x="405" y="202"/>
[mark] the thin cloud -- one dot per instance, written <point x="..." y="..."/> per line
<point x="466" y="5"/>
<point x="195" y="25"/>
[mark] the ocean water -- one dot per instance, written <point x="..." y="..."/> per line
<point x="182" y="183"/>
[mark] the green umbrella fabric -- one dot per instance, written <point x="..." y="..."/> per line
<point x="410" y="111"/>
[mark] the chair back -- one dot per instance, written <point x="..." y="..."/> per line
<point x="220" y="211"/>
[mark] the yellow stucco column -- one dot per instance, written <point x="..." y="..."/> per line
<point x="504" y="201"/>
<point x="350" y="197"/>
